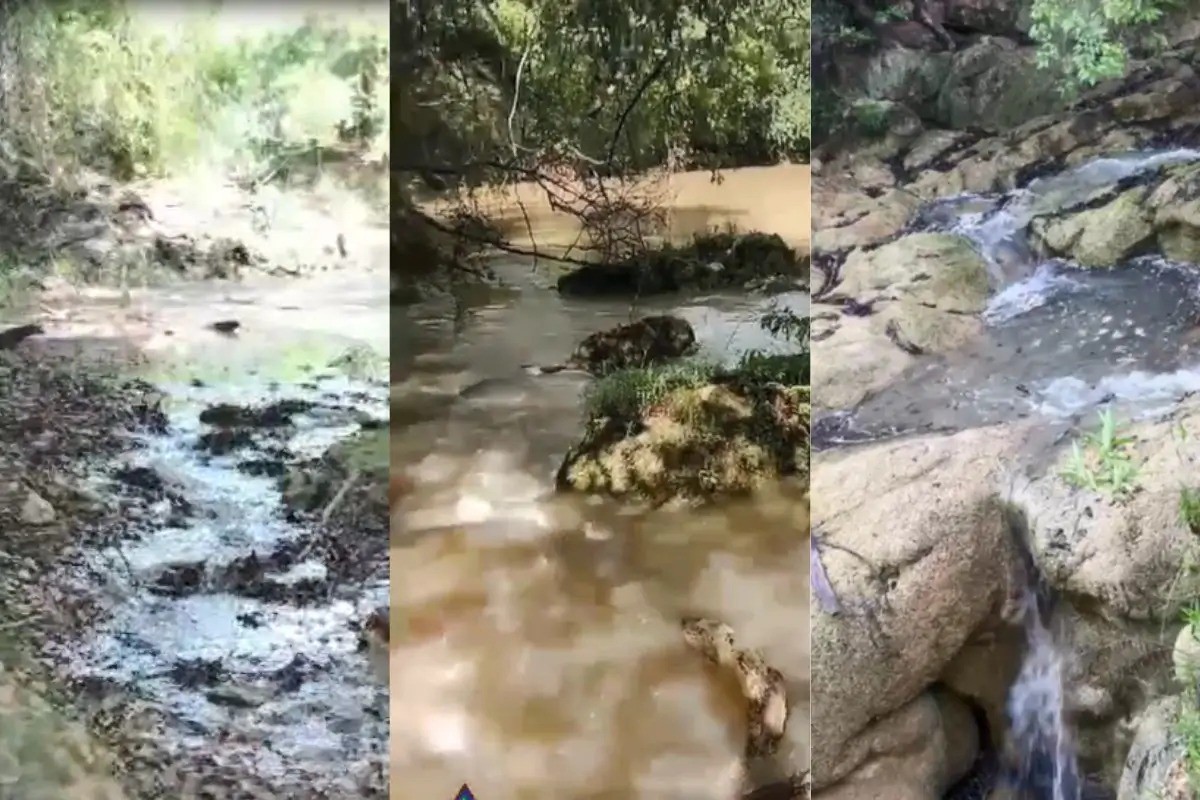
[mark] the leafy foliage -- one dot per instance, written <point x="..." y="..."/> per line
<point x="1087" y="40"/>
<point x="626" y="84"/>
<point x="97" y="85"/>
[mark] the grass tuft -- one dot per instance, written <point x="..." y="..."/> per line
<point x="1102" y="462"/>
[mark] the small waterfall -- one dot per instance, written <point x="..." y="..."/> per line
<point x="1044" y="763"/>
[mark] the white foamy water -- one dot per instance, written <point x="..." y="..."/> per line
<point x="1059" y="340"/>
<point x="1047" y="767"/>
<point x="1149" y="393"/>
<point x="328" y="726"/>
<point x="1047" y="283"/>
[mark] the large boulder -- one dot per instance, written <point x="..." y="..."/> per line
<point x="936" y="270"/>
<point x="917" y="547"/>
<point x="925" y="570"/>
<point x="1161" y="214"/>
<point x="1176" y="206"/>
<point x="1121" y="555"/>
<point x="928" y="287"/>
<point x="914" y="753"/>
<point x="1099" y="237"/>
<point x="996" y="85"/>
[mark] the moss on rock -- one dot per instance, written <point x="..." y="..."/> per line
<point x="693" y="441"/>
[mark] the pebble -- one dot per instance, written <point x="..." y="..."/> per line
<point x="37" y="510"/>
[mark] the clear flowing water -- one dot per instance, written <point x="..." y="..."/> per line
<point x="1059" y="340"/>
<point x="1046" y="766"/>
<point x="536" y="648"/>
<point x="335" y="715"/>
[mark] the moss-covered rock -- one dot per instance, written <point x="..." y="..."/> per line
<point x="1176" y="205"/>
<point x="314" y="486"/>
<point x="697" y="441"/>
<point x="996" y="85"/>
<point x="714" y="261"/>
<point x="1161" y="215"/>
<point x="1103" y="236"/>
<point x="939" y="270"/>
<point x="644" y="342"/>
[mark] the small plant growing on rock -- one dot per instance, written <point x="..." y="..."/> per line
<point x="1103" y="462"/>
<point x="627" y="394"/>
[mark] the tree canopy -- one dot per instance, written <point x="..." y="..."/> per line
<point x="607" y="83"/>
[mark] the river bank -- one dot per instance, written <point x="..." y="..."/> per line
<point x="201" y="608"/>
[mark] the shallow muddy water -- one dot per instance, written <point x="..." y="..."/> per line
<point x="1059" y="341"/>
<point x="266" y="680"/>
<point x="537" y="649"/>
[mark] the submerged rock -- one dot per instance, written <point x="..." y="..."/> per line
<point x="697" y="442"/>
<point x="646" y="342"/>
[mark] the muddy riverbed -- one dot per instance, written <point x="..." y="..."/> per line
<point x="227" y="584"/>
<point x="537" y="647"/>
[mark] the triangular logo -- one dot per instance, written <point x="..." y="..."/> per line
<point x="464" y="793"/>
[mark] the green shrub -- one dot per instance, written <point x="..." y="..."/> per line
<point x="101" y="86"/>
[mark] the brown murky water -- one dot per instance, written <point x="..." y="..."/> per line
<point x="536" y="644"/>
<point x="772" y="199"/>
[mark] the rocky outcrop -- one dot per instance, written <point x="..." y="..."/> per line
<point x="1162" y="215"/>
<point x="867" y="204"/>
<point x="698" y="441"/>
<point x="919" y="537"/>
<point x="924" y="574"/>
<point x="926" y="571"/>
<point x="924" y="290"/>
<point x="858" y="194"/>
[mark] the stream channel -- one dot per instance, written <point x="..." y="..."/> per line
<point x="1059" y="341"/>
<point x="216" y="613"/>
<point x="539" y="652"/>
